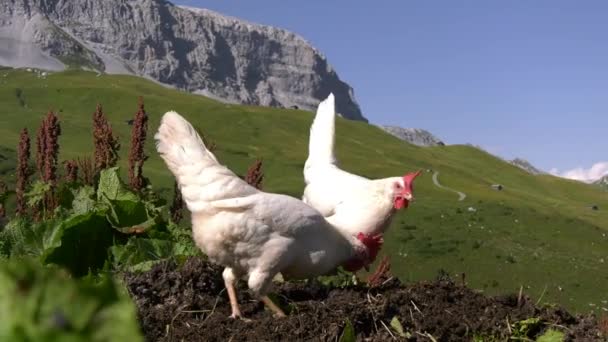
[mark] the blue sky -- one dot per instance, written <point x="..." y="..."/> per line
<point x="519" y="78"/>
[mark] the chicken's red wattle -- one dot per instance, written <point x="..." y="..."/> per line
<point x="373" y="244"/>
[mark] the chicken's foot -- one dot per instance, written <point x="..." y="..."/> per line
<point x="229" y="280"/>
<point x="272" y="306"/>
<point x="236" y="311"/>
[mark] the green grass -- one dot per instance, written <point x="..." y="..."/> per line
<point x="539" y="232"/>
<point x="7" y="162"/>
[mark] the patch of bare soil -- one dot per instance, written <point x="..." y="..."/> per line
<point x="189" y="303"/>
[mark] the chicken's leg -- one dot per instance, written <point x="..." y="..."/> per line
<point x="259" y="282"/>
<point x="229" y="280"/>
<point x="272" y="306"/>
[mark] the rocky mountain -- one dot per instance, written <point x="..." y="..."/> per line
<point x="526" y="165"/>
<point x="602" y="182"/>
<point x="196" y="50"/>
<point x="414" y="136"/>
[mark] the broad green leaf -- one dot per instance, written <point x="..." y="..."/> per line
<point x="396" y="325"/>
<point x="80" y="243"/>
<point x="128" y="213"/>
<point x="340" y="278"/>
<point x="186" y="248"/>
<point x="551" y="335"/>
<point x="36" y="194"/>
<point x="22" y="237"/>
<point x="139" y="253"/>
<point x="184" y="244"/>
<point x="138" y="250"/>
<point x="125" y="214"/>
<point x="522" y="327"/>
<point x="142" y="266"/>
<point x="47" y="304"/>
<point x="65" y="195"/>
<point x="84" y="200"/>
<point x="128" y="216"/>
<point x="111" y="186"/>
<point x="120" y="324"/>
<point x="348" y="334"/>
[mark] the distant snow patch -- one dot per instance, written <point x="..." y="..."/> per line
<point x="590" y="175"/>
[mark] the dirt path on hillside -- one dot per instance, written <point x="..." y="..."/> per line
<point x="461" y="195"/>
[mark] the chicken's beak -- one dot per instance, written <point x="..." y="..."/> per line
<point x="408" y="196"/>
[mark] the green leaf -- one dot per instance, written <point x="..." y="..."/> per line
<point x="340" y="278"/>
<point x="138" y="250"/>
<point x="348" y="334"/>
<point x="396" y="325"/>
<point x="140" y="253"/>
<point x="120" y="324"/>
<point x="84" y="200"/>
<point x="551" y="335"/>
<point x="21" y="237"/>
<point x="111" y="186"/>
<point x="47" y="304"/>
<point x="128" y="213"/>
<point x="186" y="249"/>
<point x="65" y="195"/>
<point x="142" y="266"/>
<point x="36" y="194"/>
<point x="80" y="243"/>
<point x="129" y="216"/>
<point x="132" y="217"/>
<point x="184" y="243"/>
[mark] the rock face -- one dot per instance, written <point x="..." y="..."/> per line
<point x="602" y="182"/>
<point x="414" y="136"/>
<point x="196" y="50"/>
<point x="526" y="165"/>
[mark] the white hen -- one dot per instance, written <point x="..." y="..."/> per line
<point x="355" y="204"/>
<point x="253" y="234"/>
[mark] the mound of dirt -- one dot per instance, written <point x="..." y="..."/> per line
<point x="189" y="303"/>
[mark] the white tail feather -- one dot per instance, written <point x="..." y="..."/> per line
<point x="322" y="132"/>
<point x="201" y="178"/>
<point x="179" y="144"/>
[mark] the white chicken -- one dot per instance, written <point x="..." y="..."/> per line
<point x="357" y="205"/>
<point x="253" y="234"/>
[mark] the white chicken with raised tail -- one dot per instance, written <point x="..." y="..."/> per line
<point x="253" y="234"/>
<point x="360" y="206"/>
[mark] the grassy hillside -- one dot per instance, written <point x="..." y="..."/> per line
<point x="538" y="232"/>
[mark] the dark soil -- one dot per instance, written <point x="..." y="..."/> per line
<point x="190" y="304"/>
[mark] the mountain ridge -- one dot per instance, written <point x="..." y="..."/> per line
<point x="526" y="165"/>
<point x="416" y="136"/>
<point x="197" y="50"/>
<point x="602" y="182"/>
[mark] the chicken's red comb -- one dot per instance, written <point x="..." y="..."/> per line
<point x="408" y="179"/>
